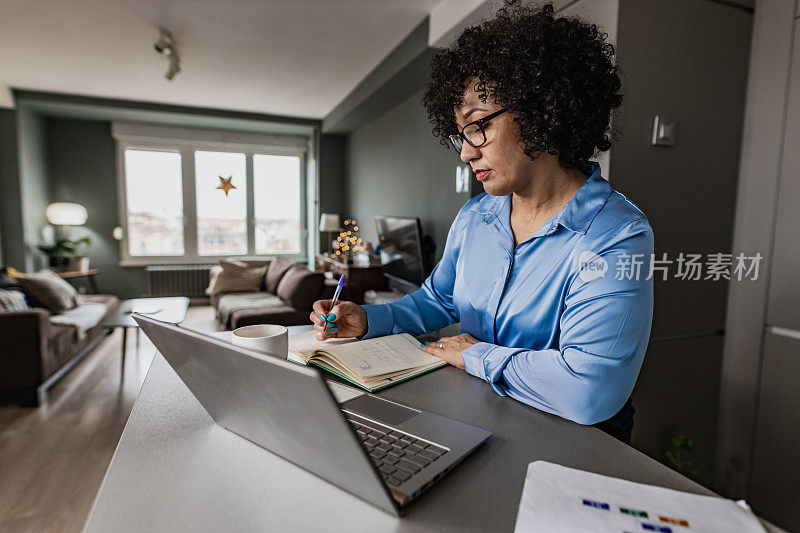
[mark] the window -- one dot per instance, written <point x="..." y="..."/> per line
<point x="221" y="214"/>
<point x="276" y="188"/>
<point x="154" y="203"/>
<point x="185" y="201"/>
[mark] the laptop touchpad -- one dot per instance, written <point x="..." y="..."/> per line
<point x="377" y="409"/>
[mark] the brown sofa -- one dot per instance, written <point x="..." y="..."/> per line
<point x="285" y="297"/>
<point x="35" y="353"/>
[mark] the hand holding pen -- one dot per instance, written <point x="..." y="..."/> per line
<point x="338" y="319"/>
<point x="330" y="320"/>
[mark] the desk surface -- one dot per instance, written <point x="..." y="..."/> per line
<point x="175" y="470"/>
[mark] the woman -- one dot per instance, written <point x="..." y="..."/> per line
<point x="548" y="270"/>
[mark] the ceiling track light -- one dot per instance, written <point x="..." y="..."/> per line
<point x="164" y="46"/>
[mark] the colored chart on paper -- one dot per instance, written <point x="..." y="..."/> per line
<point x="560" y="499"/>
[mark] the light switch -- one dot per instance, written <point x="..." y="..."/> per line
<point x="664" y="131"/>
<point x="462" y="179"/>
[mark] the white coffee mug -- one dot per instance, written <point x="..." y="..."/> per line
<point x="263" y="337"/>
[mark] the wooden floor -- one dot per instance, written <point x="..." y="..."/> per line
<point x="53" y="458"/>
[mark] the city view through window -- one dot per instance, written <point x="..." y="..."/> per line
<point x="155" y="203"/>
<point x="276" y="180"/>
<point x="155" y="208"/>
<point x="221" y="215"/>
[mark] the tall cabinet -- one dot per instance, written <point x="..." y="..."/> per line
<point x="775" y="479"/>
<point x="759" y="430"/>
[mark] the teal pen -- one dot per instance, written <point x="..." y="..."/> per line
<point x="333" y="302"/>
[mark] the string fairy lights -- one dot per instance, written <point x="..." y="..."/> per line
<point x="348" y="242"/>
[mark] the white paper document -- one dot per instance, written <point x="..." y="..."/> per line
<point x="560" y="499"/>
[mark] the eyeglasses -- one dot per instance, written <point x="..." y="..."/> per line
<point x="473" y="132"/>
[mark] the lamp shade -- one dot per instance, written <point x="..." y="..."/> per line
<point x="66" y="214"/>
<point x="329" y="222"/>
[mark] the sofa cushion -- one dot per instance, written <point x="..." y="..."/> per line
<point x="52" y="291"/>
<point x="82" y="317"/>
<point x="229" y="303"/>
<point x="281" y="315"/>
<point x="300" y="288"/>
<point x="238" y="276"/>
<point x="111" y="302"/>
<point x="12" y="300"/>
<point x="277" y="268"/>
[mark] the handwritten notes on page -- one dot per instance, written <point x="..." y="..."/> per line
<point x="560" y="499"/>
<point x="383" y="355"/>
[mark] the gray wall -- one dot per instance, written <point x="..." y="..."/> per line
<point x="396" y="167"/>
<point x="81" y="159"/>
<point x="686" y="60"/>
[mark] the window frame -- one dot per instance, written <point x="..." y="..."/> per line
<point x="141" y="137"/>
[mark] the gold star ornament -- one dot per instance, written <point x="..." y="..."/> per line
<point x="225" y="184"/>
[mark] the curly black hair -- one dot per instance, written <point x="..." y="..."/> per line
<point x="556" y="75"/>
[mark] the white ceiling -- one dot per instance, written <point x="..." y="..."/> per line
<point x="286" y="57"/>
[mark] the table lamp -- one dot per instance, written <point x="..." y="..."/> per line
<point x="66" y="214"/>
<point x="329" y="222"/>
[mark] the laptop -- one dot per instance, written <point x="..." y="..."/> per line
<point x="383" y="452"/>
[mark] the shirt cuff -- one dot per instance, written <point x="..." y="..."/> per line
<point x="379" y="321"/>
<point x="474" y="356"/>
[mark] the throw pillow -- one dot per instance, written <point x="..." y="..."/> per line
<point x="52" y="291"/>
<point x="277" y="268"/>
<point x="300" y="287"/>
<point x="6" y="281"/>
<point x="237" y="276"/>
<point x="251" y="262"/>
<point x="11" y="300"/>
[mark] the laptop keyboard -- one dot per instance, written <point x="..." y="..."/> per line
<point x="397" y="455"/>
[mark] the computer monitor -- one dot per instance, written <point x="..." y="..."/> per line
<point x="400" y="240"/>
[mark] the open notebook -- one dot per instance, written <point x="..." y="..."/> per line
<point x="371" y="364"/>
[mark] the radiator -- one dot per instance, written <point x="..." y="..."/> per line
<point x="177" y="280"/>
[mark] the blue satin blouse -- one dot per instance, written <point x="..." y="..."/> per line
<point x="563" y="318"/>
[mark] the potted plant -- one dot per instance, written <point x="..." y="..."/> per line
<point x="63" y="254"/>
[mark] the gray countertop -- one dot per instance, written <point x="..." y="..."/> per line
<point x="175" y="470"/>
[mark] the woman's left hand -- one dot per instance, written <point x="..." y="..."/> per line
<point x="451" y="348"/>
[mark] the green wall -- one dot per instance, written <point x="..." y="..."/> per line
<point x="11" y="238"/>
<point x="82" y="162"/>
<point x="34" y="193"/>
<point x="332" y="149"/>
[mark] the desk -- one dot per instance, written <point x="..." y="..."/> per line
<point x="360" y="278"/>
<point x="175" y="470"/>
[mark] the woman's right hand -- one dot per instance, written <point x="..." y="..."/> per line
<point x="346" y="319"/>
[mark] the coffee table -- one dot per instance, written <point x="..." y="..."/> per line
<point x="172" y="310"/>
